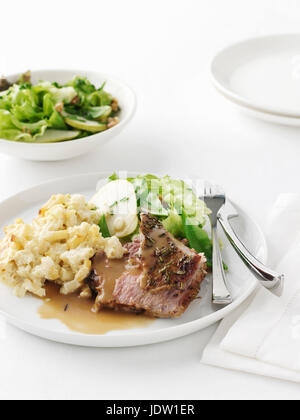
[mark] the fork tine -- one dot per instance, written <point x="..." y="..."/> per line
<point x="218" y="192"/>
<point x="207" y="189"/>
<point x="211" y="190"/>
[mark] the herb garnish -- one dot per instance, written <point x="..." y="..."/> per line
<point x="123" y="200"/>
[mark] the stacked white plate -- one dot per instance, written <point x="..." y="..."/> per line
<point x="262" y="77"/>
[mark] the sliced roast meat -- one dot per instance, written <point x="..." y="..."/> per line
<point x="133" y="248"/>
<point x="160" y="276"/>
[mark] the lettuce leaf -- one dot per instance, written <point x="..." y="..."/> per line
<point x="28" y="110"/>
<point x="198" y="239"/>
<point x="5" y="102"/>
<point x="174" y="224"/>
<point x="19" y="96"/>
<point x="99" y="98"/>
<point x="6" y="120"/>
<point x="98" y="112"/>
<point x="162" y="196"/>
<point x="82" y="85"/>
<point x="31" y="128"/>
<point x="57" y="121"/>
<point x="13" y="129"/>
<point x="48" y="105"/>
<point x="88" y="94"/>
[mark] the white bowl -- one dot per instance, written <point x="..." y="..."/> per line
<point x="69" y="149"/>
<point x="260" y="76"/>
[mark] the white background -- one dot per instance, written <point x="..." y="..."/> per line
<point x="163" y="50"/>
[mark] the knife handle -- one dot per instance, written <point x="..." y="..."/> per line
<point x="268" y="278"/>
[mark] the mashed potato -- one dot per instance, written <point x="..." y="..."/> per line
<point x="57" y="246"/>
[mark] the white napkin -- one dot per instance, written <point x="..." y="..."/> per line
<point x="263" y="335"/>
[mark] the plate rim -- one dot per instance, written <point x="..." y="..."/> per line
<point x="236" y="97"/>
<point x="264" y="116"/>
<point x="88" y="340"/>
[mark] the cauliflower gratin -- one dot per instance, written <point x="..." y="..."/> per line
<point x="57" y="246"/>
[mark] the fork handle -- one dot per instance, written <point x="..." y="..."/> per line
<point x="268" y="278"/>
<point x="221" y="295"/>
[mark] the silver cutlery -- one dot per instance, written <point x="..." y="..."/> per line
<point x="215" y="200"/>
<point x="268" y="278"/>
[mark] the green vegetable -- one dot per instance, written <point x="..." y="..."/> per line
<point x="167" y="199"/>
<point x="85" y="125"/>
<point x="28" y="111"/>
<point x="34" y="129"/>
<point x="175" y="204"/>
<point x="54" y="136"/>
<point x="57" y="121"/>
<point x="99" y="112"/>
<point x="82" y="85"/>
<point x="161" y="196"/>
<point x="123" y="200"/>
<point x="8" y="130"/>
<point x="48" y="105"/>
<point x="13" y="129"/>
<point x="174" y="224"/>
<point x="24" y="78"/>
<point x="99" y="98"/>
<point x="4" y="101"/>
<point x="113" y="177"/>
<point x="104" y="228"/>
<point x="198" y="239"/>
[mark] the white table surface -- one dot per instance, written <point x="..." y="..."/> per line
<point x="163" y="49"/>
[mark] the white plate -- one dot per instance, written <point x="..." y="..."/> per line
<point x="72" y="148"/>
<point x="23" y="312"/>
<point x="263" y="76"/>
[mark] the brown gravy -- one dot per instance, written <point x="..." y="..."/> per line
<point x="77" y="314"/>
<point x="109" y="271"/>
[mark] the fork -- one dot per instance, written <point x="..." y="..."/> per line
<point x="215" y="200"/>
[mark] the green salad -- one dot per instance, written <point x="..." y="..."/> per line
<point x="171" y="201"/>
<point x="49" y="112"/>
